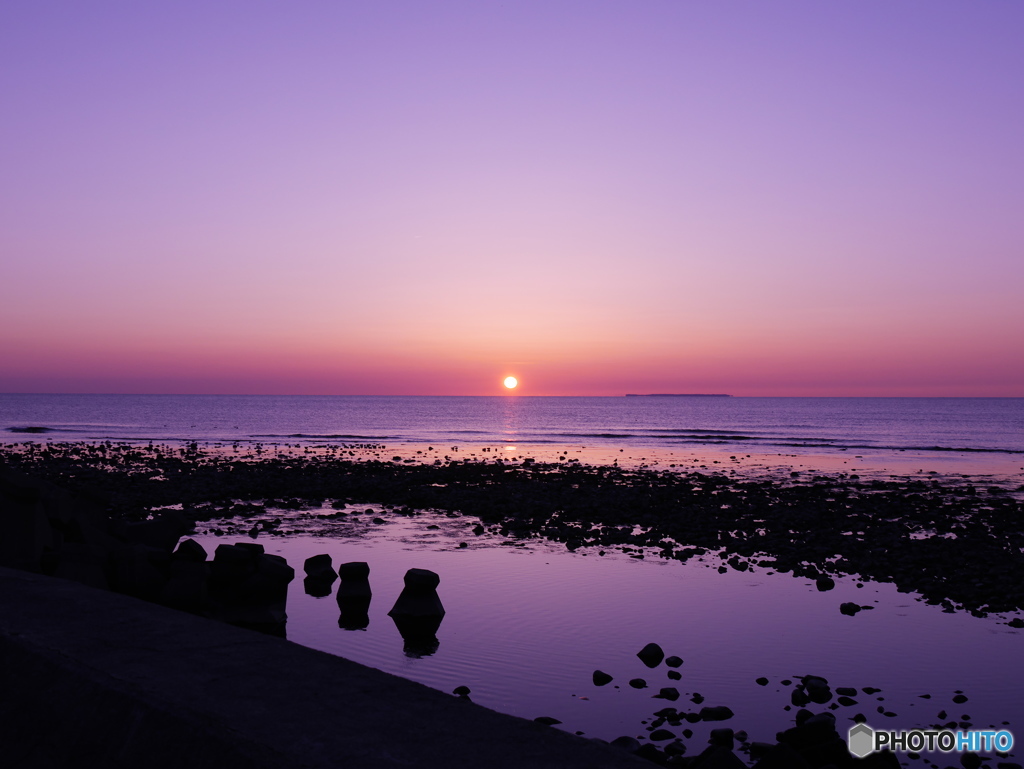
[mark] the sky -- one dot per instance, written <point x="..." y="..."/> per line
<point x="783" y="198"/>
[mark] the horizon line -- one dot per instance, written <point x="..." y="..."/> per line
<point x="506" y="395"/>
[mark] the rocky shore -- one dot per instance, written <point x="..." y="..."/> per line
<point x="112" y="515"/>
<point x="952" y="541"/>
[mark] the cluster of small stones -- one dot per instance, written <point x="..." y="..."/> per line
<point x="905" y="531"/>
<point x="813" y="742"/>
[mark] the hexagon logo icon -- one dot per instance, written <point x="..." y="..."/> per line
<point x="861" y="740"/>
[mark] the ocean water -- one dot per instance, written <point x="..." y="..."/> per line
<point x="787" y="425"/>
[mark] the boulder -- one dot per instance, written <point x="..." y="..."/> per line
<point x="189" y="550"/>
<point x="419" y="597"/>
<point x="187" y="588"/>
<point x="716" y="713"/>
<point x="319" y="567"/>
<point x="418" y="612"/>
<point x="139" y="570"/>
<point x="355" y="580"/>
<point x="651" y="655"/>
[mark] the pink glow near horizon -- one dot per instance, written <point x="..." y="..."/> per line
<point x="597" y="198"/>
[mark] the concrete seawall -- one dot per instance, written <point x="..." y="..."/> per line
<point x="90" y="678"/>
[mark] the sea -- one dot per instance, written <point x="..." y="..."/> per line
<point x="799" y="426"/>
<point x="528" y="622"/>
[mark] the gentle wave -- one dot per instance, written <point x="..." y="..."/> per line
<point x="329" y="436"/>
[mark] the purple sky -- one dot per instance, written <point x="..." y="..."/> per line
<point x="784" y="198"/>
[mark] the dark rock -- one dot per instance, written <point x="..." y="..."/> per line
<point x="849" y="608"/>
<point x="660" y="735"/>
<point x="881" y="760"/>
<point x="780" y="756"/>
<point x="137" y="570"/>
<point x="668" y="693"/>
<point x="161" y="533"/>
<point x="824" y="583"/>
<point x="638" y="683"/>
<point x="319" y="567"/>
<point x="651" y="655"/>
<point x="817" y="689"/>
<point x="675" y="748"/>
<point x="675" y="675"/>
<point x="355" y="583"/>
<point x="27" y="530"/>
<point x="79" y="562"/>
<point x="762" y="681"/>
<point x="715" y="757"/>
<point x="817" y="741"/>
<point x="320" y="575"/>
<point x="629" y="744"/>
<point x="231" y="565"/>
<point x="651" y="753"/>
<point x="190" y="550"/>
<point x="673" y="661"/>
<point x="419" y="597"/>
<point x="601" y="678"/>
<point x="187" y="587"/>
<point x="723" y="738"/>
<point x="248" y="586"/>
<point x="547" y="720"/>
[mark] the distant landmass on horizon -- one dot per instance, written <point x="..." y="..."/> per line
<point x="678" y="395"/>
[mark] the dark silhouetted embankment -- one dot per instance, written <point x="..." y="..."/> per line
<point x="90" y="678"/>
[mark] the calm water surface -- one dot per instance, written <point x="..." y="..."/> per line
<point x="528" y="623"/>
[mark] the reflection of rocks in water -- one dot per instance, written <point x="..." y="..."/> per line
<point x="320" y="575"/>
<point x="317" y="588"/>
<point x="355" y="612"/>
<point x="419" y="634"/>
<point x="354" y="595"/>
<point x="418" y="612"/>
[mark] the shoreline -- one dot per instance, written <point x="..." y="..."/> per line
<point x="906" y="529"/>
<point x="991" y="465"/>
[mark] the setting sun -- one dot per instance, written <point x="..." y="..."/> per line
<point x="511" y="382"/>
